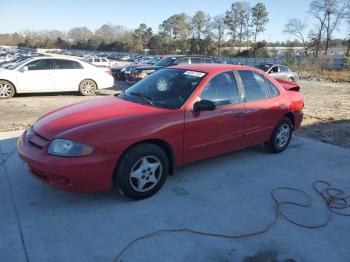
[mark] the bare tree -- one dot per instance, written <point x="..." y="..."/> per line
<point x="316" y="9"/>
<point x="80" y="36"/>
<point x="347" y="21"/>
<point x="107" y="34"/>
<point x="296" y="28"/>
<point x="219" y="26"/>
<point x="328" y="14"/>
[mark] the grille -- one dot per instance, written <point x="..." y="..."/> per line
<point x="35" y="139"/>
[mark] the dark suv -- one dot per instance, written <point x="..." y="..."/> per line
<point x="141" y="72"/>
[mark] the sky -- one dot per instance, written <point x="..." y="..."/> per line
<point x="17" y="16"/>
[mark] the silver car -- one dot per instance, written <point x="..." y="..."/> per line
<point x="280" y="71"/>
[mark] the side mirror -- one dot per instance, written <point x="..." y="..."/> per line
<point x="204" y="105"/>
<point x="23" y="69"/>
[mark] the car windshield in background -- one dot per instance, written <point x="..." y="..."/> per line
<point x="166" y="88"/>
<point x="153" y="60"/>
<point x="166" y="61"/>
<point x="15" y="65"/>
<point x="264" y="67"/>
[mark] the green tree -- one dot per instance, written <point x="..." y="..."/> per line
<point x="175" y="32"/>
<point x="259" y="19"/>
<point x="141" y="37"/>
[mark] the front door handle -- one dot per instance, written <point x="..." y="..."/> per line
<point x="238" y="115"/>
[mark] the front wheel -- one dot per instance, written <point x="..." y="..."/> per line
<point x="7" y="90"/>
<point x="281" y="136"/>
<point x="142" y="171"/>
<point x="87" y="87"/>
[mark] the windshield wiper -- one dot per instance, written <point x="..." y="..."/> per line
<point x="147" y="99"/>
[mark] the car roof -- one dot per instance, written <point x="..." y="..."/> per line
<point x="179" y="56"/>
<point x="55" y="57"/>
<point x="213" y="68"/>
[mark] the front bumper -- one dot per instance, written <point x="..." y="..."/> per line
<point x="93" y="173"/>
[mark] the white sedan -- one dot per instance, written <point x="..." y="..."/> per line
<point x="50" y="74"/>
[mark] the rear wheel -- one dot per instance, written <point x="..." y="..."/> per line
<point x="7" y="90"/>
<point x="142" y="171"/>
<point x="281" y="136"/>
<point x="87" y="87"/>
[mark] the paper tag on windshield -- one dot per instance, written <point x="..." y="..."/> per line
<point x="194" y="73"/>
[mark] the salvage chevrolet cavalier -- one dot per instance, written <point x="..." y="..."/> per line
<point x="175" y="116"/>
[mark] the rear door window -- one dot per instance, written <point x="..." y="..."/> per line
<point x="254" y="85"/>
<point x="67" y="64"/>
<point x="182" y="61"/>
<point x="272" y="88"/>
<point x="196" y="60"/>
<point x="208" y="61"/>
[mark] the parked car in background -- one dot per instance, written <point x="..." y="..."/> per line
<point x="175" y="116"/>
<point x="147" y="62"/>
<point x="125" y="58"/>
<point x="280" y="71"/>
<point x="99" y="61"/>
<point x="141" y="72"/>
<point x="13" y="62"/>
<point x="49" y="74"/>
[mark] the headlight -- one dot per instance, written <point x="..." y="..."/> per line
<point x="64" y="147"/>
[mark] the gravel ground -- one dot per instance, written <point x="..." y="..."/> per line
<point x="327" y="109"/>
<point x="327" y="112"/>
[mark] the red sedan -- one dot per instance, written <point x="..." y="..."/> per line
<point x="175" y="116"/>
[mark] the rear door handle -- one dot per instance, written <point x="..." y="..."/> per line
<point x="238" y="115"/>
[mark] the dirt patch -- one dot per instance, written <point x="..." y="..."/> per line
<point x="327" y="112"/>
<point x="327" y="109"/>
<point x="22" y="110"/>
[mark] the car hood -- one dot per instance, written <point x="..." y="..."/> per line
<point x="5" y="72"/>
<point x="79" y="119"/>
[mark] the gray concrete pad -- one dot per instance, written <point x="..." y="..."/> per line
<point x="227" y="194"/>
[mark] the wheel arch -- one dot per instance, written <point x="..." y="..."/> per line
<point x="16" y="91"/>
<point x="165" y="146"/>
<point x="291" y="117"/>
<point x="90" y="80"/>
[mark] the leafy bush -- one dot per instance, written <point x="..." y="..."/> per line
<point x="290" y="60"/>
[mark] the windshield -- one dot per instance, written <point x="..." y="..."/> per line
<point x="166" y="88"/>
<point x="153" y="60"/>
<point x="166" y="61"/>
<point x="264" y="67"/>
<point x="15" y="65"/>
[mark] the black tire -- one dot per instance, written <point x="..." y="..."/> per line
<point x="128" y="185"/>
<point x="87" y="87"/>
<point x="7" y="90"/>
<point x="275" y="144"/>
<point x="291" y="79"/>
